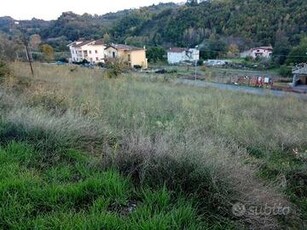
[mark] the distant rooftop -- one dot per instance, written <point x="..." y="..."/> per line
<point x="81" y="43"/>
<point x="177" y="50"/>
<point x="263" y="47"/>
<point x="124" y="47"/>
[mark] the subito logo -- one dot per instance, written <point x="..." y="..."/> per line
<point x="238" y="209"/>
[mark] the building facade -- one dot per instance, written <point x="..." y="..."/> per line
<point x="300" y="75"/>
<point x="179" y="55"/>
<point x="131" y="55"/>
<point x="260" y="52"/>
<point x="91" y="51"/>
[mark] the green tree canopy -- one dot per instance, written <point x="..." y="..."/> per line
<point x="299" y="53"/>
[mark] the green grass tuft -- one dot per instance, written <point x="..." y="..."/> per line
<point x="75" y="194"/>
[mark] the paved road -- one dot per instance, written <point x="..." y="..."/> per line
<point x="244" y="89"/>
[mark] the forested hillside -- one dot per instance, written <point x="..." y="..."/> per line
<point x="217" y="26"/>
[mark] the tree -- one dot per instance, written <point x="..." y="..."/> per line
<point x="4" y="70"/>
<point x="137" y="41"/>
<point x="193" y="36"/>
<point x="155" y="54"/>
<point x="233" y="51"/>
<point x="298" y="54"/>
<point x="106" y="38"/>
<point x="8" y="48"/>
<point x="281" y="48"/>
<point x="35" y="41"/>
<point x="47" y="51"/>
<point x="213" y="47"/>
<point x="192" y="2"/>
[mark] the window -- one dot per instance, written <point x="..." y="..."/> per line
<point x="129" y="57"/>
<point x="96" y="52"/>
<point x="90" y="52"/>
<point x="97" y="59"/>
<point x="113" y="54"/>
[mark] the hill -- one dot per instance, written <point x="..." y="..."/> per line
<point x="215" y="25"/>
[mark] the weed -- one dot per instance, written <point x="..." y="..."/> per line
<point x="216" y="148"/>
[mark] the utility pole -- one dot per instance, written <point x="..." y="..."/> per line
<point x="196" y="58"/>
<point x="195" y="70"/>
<point x="25" y="42"/>
<point x="29" y="57"/>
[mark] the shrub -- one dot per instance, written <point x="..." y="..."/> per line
<point x="285" y="71"/>
<point x="4" y="70"/>
<point x="200" y="62"/>
<point x="115" y="67"/>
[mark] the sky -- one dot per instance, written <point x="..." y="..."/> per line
<point x="49" y="10"/>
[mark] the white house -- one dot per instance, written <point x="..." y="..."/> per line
<point x="178" y="55"/>
<point x="263" y="51"/>
<point x="93" y="51"/>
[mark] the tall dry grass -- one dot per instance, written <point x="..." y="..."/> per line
<point x="202" y="142"/>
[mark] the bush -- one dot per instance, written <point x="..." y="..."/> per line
<point x="200" y="62"/>
<point x="285" y="71"/>
<point x="4" y="70"/>
<point x="115" y="67"/>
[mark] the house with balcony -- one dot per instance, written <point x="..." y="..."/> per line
<point x="90" y="50"/>
<point x="133" y="56"/>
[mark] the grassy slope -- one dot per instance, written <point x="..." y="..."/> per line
<point x="211" y="147"/>
<point x="75" y="194"/>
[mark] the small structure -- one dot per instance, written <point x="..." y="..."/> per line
<point x="90" y="50"/>
<point x="178" y="55"/>
<point x="215" y="62"/>
<point x="300" y="75"/>
<point x="263" y="51"/>
<point x="133" y="56"/>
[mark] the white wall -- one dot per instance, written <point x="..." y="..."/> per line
<point x="261" y="53"/>
<point x="95" y="53"/>
<point x="75" y="54"/>
<point x="90" y="52"/>
<point x="176" y="57"/>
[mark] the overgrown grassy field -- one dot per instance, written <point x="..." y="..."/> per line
<point x="80" y="150"/>
<point x="75" y="193"/>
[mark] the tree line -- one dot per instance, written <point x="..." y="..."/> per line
<point x="218" y="27"/>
